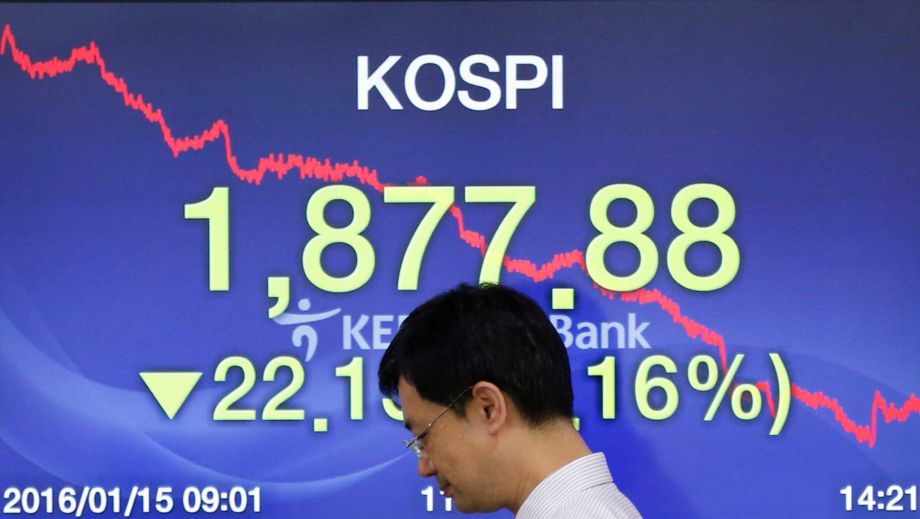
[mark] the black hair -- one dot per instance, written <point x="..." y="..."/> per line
<point x="482" y="333"/>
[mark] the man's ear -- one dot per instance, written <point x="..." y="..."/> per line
<point x="490" y="406"/>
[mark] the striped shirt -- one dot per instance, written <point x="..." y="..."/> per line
<point x="581" y="489"/>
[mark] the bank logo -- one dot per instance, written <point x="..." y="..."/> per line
<point x="303" y="331"/>
<point x="375" y="331"/>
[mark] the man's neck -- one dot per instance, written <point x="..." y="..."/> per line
<point x="540" y="453"/>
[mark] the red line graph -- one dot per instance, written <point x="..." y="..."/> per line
<point x="326" y="171"/>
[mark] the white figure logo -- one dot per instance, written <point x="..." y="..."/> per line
<point x="304" y="331"/>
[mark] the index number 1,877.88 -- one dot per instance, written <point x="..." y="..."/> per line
<point x="216" y="210"/>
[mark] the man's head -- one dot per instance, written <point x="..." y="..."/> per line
<point x="492" y="356"/>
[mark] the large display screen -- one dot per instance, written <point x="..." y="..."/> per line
<point x="213" y="219"/>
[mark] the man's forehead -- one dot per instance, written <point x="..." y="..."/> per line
<point x="409" y="399"/>
<point x="406" y="391"/>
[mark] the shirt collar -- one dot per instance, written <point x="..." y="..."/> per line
<point x="580" y="474"/>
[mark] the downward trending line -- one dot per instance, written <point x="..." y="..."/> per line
<point x="310" y="167"/>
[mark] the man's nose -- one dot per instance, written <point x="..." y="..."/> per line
<point x="426" y="467"/>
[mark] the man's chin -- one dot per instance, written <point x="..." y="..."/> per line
<point x="460" y="504"/>
<point x="466" y="506"/>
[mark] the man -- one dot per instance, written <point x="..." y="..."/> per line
<point x="484" y="383"/>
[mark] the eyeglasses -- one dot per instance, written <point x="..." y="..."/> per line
<point x="415" y="444"/>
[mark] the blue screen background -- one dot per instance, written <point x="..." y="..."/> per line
<point x="808" y="114"/>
